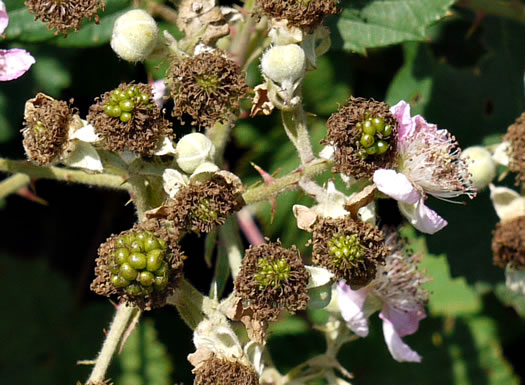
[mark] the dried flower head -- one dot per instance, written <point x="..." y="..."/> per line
<point x="516" y="137"/>
<point x="140" y="266"/>
<point x="352" y="250"/>
<point x="65" y="15"/>
<point x="271" y="279"/>
<point x="305" y="14"/>
<point x="200" y="207"/>
<point x="363" y="132"/>
<point x="46" y="126"/>
<point x="224" y="371"/>
<point x="397" y="291"/>
<point x="127" y="118"/>
<point x="207" y="87"/>
<point x="508" y="243"/>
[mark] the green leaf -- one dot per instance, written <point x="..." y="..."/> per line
<point x="144" y="359"/>
<point x="378" y="23"/>
<point x="448" y="296"/>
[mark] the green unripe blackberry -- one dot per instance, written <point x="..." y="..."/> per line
<point x="138" y="261"/>
<point x="367" y="140"/>
<point x="374" y="132"/>
<point x="123" y="102"/>
<point x="369" y="128"/>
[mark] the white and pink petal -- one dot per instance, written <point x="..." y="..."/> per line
<point x="14" y="63"/>
<point x="421" y="217"/>
<point x="395" y="185"/>
<point x="400" y="351"/>
<point x="351" y="304"/>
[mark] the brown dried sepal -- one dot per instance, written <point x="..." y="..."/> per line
<point x="202" y="19"/>
<point x="255" y="328"/>
<point x="345" y="136"/>
<point x="305" y="14"/>
<point x="356" y="273"/>
<point x="208" y="87"/>
<point x="65" y="15"/>
<point x="268" y="302"/>
<point x="102" y="283"/>
<point x="508" y="243"/>
<point x="200" y="207"/>
<point x="46" y="126"/>
<point x="224" y="371"/>
<point x="516" y="137"/>
<point x="142" y="134"/>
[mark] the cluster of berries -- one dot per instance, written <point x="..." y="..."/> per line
<point x="374" y="132"/>
<point x="122" y="103"/>
<point x="139" y="264"/>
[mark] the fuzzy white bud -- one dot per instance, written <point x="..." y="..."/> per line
<point x="135" y="35"/>
<point x="481" y="166"/>
<point x="192" y="150"/>
<point x="284" y="63"/>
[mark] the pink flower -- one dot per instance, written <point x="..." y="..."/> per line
<point x="13" y="62"/>
<point x="429" y="163"/>
<point x="397" y="292"/>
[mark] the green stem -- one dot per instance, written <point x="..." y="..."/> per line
<point x="13" y="184"/>
<point x="190" y="303"/>
<point x="287" y="182"/>
<point x="119" y="325"/>
<point x="510" y="9"/>
<point x="294" y="123"/>
<point x="219" y="135"/>
<point x="63" y="174"/>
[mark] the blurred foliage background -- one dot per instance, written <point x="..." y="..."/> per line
<point x="464" y="72"/>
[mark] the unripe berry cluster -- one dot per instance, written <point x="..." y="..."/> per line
<point x="345" y="247"/>
<point x="139" y="264"/>
<point x="272" y="273"/>
<point x="123" y="102"/>
<point x="374" y="132"/>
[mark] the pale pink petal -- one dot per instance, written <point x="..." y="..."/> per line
<point x="406" y="124"/>
<point x="421" y="124"/>
<point x="351" y="305"/>
<point x="422" y="218"/>
<point x="4" y="19"/>
<point x="395" y="185"/>
<point x="404" y="322"/>
<point x="14" y="62"/>
<point x="398" y="349"/>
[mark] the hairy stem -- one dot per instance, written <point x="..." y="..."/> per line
<point x="63" y="174"/>
<point x="119" y="325"/>
<point x="190" y="303"/>
<point x="294" y="123"/>
<point x="13" y="184"/>
<point x="286" y="183"/>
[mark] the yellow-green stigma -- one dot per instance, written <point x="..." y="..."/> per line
<point x="39" y="127"/>
<point x="139" y="263"/>
<point x="123" y="102"/>
<point x="375" y="135"/>
<point x="209" y="83"/>
<point x="204" y="213"/>
<point x="345" y="247"/>
<point x="272" y="273"/>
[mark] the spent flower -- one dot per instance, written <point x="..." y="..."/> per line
<point x="397" y="291"/>
<point x="65" y="15"/>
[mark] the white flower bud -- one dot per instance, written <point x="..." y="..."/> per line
<point x="481" y="166"/>
<point x="284" y="63"/>
<point x="135" y="35"/>
<point x="193" y="150"/>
